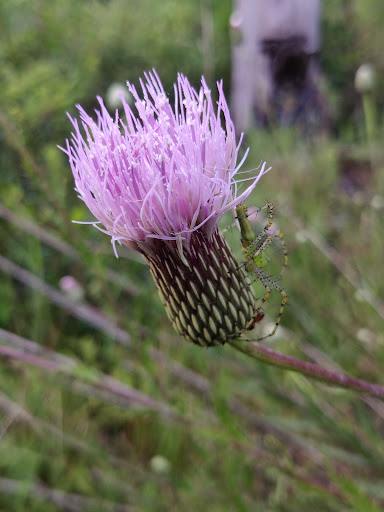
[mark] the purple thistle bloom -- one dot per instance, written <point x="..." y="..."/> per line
<point x="160" y="182"/>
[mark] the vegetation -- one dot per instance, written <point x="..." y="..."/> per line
<point x="102" y="405"/>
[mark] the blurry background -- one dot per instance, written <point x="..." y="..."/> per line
<point x="102" y="405"/>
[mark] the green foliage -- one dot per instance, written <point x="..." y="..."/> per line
<point x="97" y="410"/>
<point x="351" y="36"/>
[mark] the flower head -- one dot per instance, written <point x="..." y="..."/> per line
<point x="162" y="174"/>
<point x="159" y="182"/>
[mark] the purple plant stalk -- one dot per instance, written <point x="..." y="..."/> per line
<point x="159" y="182"/>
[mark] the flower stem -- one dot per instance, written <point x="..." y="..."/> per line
<point x="269" y="356"/>
<point x="369" y="117"/>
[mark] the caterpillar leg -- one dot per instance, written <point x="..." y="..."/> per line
<point x="269" y="284"/>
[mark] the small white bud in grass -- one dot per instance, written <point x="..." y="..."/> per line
<point x="377" y="202"/>
<point x="365" y="78"/>
<point x="160" y="465"/>
<point x="72" y="288"/>
<point x="114" y="94"/>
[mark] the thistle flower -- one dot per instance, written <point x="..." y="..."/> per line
<point x="159" y="182"/>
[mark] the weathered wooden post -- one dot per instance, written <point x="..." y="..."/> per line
<point x="274" y="65"/>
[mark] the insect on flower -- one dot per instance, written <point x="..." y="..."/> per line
<point x="159" y="181"/>
<point x="253" y="248"/>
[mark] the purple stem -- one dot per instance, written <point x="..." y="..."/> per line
<point x="269" y="356"/>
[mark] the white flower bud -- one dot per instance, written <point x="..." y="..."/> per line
<point x="114" y="93"/>
<point x="160" y="465"/>
<point x="365" y="78"/>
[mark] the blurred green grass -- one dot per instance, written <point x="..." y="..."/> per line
<point x="112" y="386"/>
